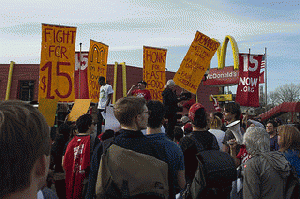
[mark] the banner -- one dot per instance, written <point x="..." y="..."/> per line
<point x="225" y="76"/>
<point x="196" y="62"/>
<point x="57" y="63"/>
<point x="247" y="91"/>
<point x="81" y="79"/>
<point x="48" y="108"/>
<point x="154" y="70"/>
<point x="97" y="67"/>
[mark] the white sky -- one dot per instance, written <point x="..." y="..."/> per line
<point x="129" y="24"/>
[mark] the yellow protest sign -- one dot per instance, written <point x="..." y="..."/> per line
<point x="222" y="98"/>
<point x="154" y="67"/>
<point x="97" y="67"/>
<point x="196" y="62"/>
<point x="48" y="108"/>
<point x="57" y="63"/>
<point x="80" y="107"/>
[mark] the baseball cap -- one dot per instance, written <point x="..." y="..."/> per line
<point x="170" y="82"/>
<point x="193" y="110"/>
<point x="184" y="119"/>
<point x="143" y="82"/>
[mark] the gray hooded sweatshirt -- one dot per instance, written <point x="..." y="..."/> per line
<point x="265" y="176"/>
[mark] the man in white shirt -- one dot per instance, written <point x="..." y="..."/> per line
<point x="106" y="92"/>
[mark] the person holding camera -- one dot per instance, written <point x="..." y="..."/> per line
<point x="140" y="90"/>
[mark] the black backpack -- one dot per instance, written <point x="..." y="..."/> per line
<point x="214" y="175"/>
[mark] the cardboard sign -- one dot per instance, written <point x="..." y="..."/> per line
<point x="111" y="121"/>
<point x="81" y="106"/>
<point x="154" y="67"/>
<point x="222" y="98"/>
<point x="196" y="62"/>
<point x="97" y="67"/>
<point x="57" y="63"/>
<point x="48" y="108"/>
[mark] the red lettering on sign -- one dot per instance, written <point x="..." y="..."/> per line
<point x="66" y="75"/>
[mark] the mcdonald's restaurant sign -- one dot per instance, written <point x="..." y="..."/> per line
<point x="226" y="75"/>
<point x="221" y="52"/>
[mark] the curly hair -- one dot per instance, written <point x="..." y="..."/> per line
<point x="256" y="140"/>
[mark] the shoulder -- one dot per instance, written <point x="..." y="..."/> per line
<point x="252" y="163"/>
<point x="172" y="146"/>
<point x="108" y="86"/>
<point x="186" y="142"/>
<point x="291" y="153"/>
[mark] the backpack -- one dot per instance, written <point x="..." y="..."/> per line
<point x="214" y="175"/>
<point x="124" y="173"/>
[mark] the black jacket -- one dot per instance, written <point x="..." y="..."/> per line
<point x="170" y="101"/>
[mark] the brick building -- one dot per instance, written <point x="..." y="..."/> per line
<point x="25" y="82"/>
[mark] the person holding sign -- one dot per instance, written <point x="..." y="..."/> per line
<point x="141" y="91"/>
<point x="170" y="100"/>
<point x="106" y="92"/>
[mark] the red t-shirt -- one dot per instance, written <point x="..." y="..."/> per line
<point x="243" y="154"/>
<point x="142" y="93"/>
<point x="76" y="162"/>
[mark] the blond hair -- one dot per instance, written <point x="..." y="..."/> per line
<point x="289" y="137"/>
<point x="127" y="108"/>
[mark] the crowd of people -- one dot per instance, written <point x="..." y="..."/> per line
<point x="153" y="155"/>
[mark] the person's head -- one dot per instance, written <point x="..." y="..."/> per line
<point x="288" y="137"/>
<point x="216" y="122"/>
<point x="101" y="80"/>
<point x="170" y="84"/>
<point x="256" y="140"/>
<point x="156" y="114"/>
<point x="142" y="85"/>
<point x="271" y="127"/>
<point x="198" y="116"/>
<point x="83" y="123"/>
<point x="24" y="148"/>
<point x="178" y="133"/>
<point x="184" y="119"/>
<point x="232" y="111"/>
<point x="132" y="111"/>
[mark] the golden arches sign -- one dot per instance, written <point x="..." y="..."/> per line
<point x="221" y="52"/>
